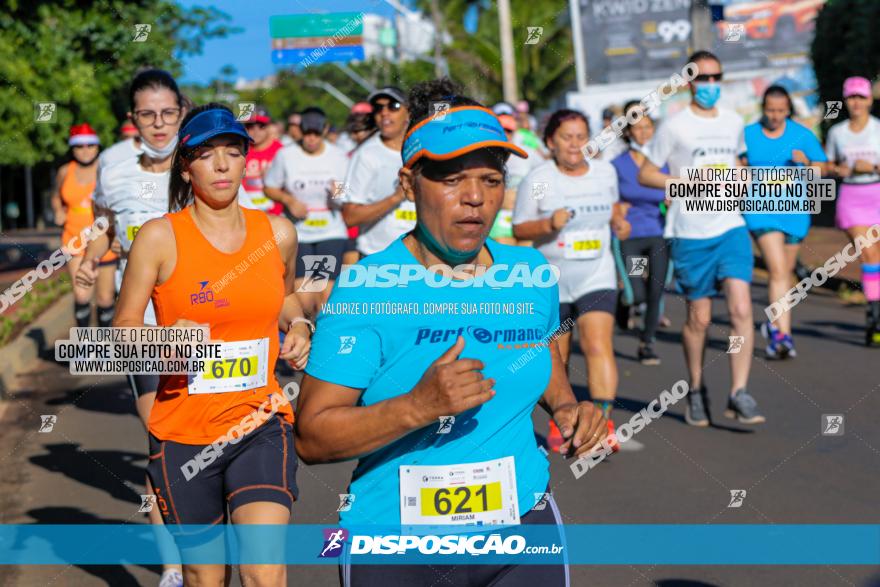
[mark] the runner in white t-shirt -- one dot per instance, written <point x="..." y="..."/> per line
<point x="131" y="189"/>
<point x="569" y="208"/>
<point x="373" y="199"/>
<point x="304" y="178"/>
<point x="853" y="149"/>
<point x="710" y="253"/>
<point x="515" y="170"/>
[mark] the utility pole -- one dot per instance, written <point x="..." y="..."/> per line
<point x="508" y="61"/>
<point x="701" y="26"/>
<point x="577" y="36"/>
<point x="441" y="68"/>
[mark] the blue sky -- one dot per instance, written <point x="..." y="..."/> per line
<point x="249" y="51"/>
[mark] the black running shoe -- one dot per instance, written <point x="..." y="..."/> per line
<point x="647" y="356"/>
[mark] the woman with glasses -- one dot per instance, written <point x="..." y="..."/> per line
<point x="853" y="148"/>
<point x="129" y="192"/>
<point x="373" y="198"/>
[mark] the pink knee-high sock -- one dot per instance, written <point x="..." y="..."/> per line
<point x="871" y="281"/>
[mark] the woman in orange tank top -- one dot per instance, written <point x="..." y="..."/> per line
<point x="72" y="205"/>
<point x="221" y="441"/>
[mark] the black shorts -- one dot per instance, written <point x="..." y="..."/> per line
<point x="261" y="466"/>
<point x="351" y="245"/>
<point x="141" y="384"/>
<point x="603" y="300"/>
<point x="321" y="264"/>
<point x="466" y="575"/>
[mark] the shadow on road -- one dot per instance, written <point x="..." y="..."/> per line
<point x="109" y="398"/>
<point x="111" y="574"/>
<point x="112" y="471"/>
<point x="682" y="583"/>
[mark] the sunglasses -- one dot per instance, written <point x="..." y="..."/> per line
<point x="391" y="106"/>
<point x="709" y="77"/>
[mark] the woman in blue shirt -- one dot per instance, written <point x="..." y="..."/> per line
<point x="430" y="356"/>
<point x="777" y="141"/>
<point x="646" y="239"/>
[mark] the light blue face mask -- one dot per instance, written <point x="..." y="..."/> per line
<point x="707" y="94"/>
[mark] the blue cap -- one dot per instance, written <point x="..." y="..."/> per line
<point x="453" y="133"/>
<point x="209" y="124"/>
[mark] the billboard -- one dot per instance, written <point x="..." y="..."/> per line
<point x="755" y="35"/>
<point x="633" y="40"/>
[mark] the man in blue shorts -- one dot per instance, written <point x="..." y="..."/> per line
<point x="710" y="253"/>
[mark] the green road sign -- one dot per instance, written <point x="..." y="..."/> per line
<point x="316" y="25"/>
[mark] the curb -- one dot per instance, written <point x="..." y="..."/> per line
<point x="37" y="339"/>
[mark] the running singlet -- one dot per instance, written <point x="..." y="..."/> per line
<point x="764" y="151"/>
<point x="386" y="352"/>
<point x="582" y="249"/>
<point x="688" y="140"/>
<point x="311" y="179"/>
<point x="77" y="199"/>
<point x="371" y="177"/>
<point x="845" y="146"/>
<point x="244" y="315"/>
<point x="257" y="164"/>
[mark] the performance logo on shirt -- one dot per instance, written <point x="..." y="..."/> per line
<point x="505" y="338"/>
<point x="334" y="539"/>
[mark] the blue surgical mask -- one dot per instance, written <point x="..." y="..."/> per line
<point x="706" y="94"/>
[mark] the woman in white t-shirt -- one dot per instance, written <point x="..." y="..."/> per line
<point x="569" y="208"/>
<point x="306" y="178"/>
<point x="853" y="149"/>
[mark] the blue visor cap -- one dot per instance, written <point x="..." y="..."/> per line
<point x="455" y="132"/>
<point x="209" y="124"/>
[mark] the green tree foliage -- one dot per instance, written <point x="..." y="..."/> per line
<point x="543" y="69"/>
<point x="846" y="44"/>
<point x="80" y="55"/>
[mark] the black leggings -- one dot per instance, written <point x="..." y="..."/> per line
<point x="649" y="287"/>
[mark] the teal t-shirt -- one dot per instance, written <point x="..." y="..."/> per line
<point x="387" y="351"/>
<point x="766" y="152"/>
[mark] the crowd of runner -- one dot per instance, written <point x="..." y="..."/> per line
<point x="192" y="190"/>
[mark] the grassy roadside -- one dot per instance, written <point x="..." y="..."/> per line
<point x="34" y="303"/>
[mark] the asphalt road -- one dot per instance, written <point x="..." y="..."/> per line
<point x="89" y="469"/>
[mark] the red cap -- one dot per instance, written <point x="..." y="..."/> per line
<point x="128" y="126"/>
<point x="508" y="122"/>
<point x="362" y="108"/>
<point x="83" y="134"/>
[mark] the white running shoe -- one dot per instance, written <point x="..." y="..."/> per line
<point x="171" y="578"/>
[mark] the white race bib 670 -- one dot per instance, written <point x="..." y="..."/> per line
<point x="244" y="365"/>
<point x="472" y="493"/>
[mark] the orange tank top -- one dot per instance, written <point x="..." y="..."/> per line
<point x="77" y="199"/>
<point x="243" y="313"/>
